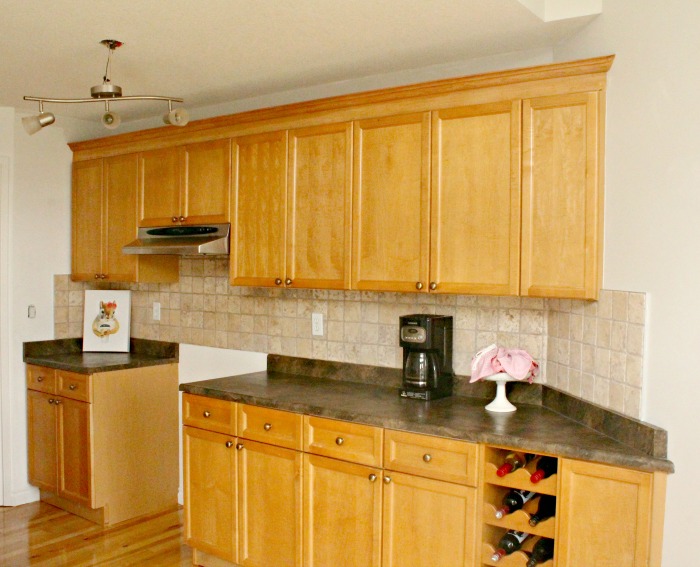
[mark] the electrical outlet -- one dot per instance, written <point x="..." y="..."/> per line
<point x="156" y="311"/>
<point x="317" y="324"/>
<point x="31" y="311"/>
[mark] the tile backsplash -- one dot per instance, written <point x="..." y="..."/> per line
<point x="590" y="349"/>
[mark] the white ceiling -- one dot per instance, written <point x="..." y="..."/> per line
<point x="211" y="52"/>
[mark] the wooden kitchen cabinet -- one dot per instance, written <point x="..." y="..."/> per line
<point x="187" y="184"/>
<point x="609" y="516"/>
<point x="391" y="203"/>
<point x="83" y="454"/>
<point x="342" y="513"/>
<point x="475" y="194"/>
<point x="104" y="220"/>
<point x="562" y="205"/>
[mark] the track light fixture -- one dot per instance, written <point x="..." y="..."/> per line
<point x="106" y="92"/>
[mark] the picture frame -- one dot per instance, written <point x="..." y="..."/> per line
<point x="107" y="321"/>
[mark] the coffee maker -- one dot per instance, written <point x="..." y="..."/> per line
<point x="427" y="356"/>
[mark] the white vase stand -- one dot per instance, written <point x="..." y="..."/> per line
<point x="500" y="403"/>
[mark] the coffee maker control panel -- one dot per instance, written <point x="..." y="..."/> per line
<point x="411" y="334"/>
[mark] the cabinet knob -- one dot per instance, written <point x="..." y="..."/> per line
<point x="229" y="444"/>
<point x="239" y="446"/>
<point x="182" y="219"/>
<point x="339" y="440"/>
<point x="433" y="285"/>
<point x="51" y="400"/>
<point x="103" y="276"/>
<point x="372" y="477"/>
<point x="288" y="281"/>
<point x="57" y="402"/>
<point x="267" y="426"/>
<point x="206" y="413"/>
<point x="278" y="281"/>
<point x="39" y="378"/>
<point x="72" y="387"/>
<point x="427" y="457"/>
<point x="419" y="285"/>
<point x="97" y="276"/>
<point x="174" y="219"/>
<point x="387" y="479"/>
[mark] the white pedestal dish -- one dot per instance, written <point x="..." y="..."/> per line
<point x="500" y="403"/>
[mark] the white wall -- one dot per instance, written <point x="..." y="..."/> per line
<point x="652" y="233"/>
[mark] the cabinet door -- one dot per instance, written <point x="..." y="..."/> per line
<point x="269" y="505"/>
<point x="159" y="187"/>
<point x="391" y="203"/>
<point x="342" y="513"/>
<point x="259" y="209"/>
<point x="319" y="207"/>
<point x="427" y="522"/>
<point x="562" y="196"/>
<point x="475" y="210"/>
<point x="75" y="450"/>
<point x="87" y="233"/>
<point x="605" y="516"/>
<point x="206" y="182"/>
<point x="209" y="466"/>
<point x="42" y="440"/>
<point x="120" y="214"/>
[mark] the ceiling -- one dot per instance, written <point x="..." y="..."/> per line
<point x="211" y="52"/>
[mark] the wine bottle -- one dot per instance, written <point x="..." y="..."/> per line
<point x="541" y="552"/>
<point x="546" y="467"/>
<point x="546" y="508"/>
<point x="510" y="543"/>
<point x="513" y="461"/>
<point x="514" y="500"/>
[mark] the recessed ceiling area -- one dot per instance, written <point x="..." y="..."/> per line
<point x="211" y="52"/>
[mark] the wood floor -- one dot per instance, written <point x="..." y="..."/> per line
<point x="39" y="534"/>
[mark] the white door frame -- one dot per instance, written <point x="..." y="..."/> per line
<point x="5" y="429"/>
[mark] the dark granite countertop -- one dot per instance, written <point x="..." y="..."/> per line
<point x="67" y="354"/>
<point x="532" y="427"/>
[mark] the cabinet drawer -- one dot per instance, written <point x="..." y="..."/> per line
<point x="343" y="440"/>
<point x="41" y="378"/>
<point x="211" y="414"/>
<point x="73" y="385"/>
<point x="432" y="457"/>
<point x="281" y="428"/>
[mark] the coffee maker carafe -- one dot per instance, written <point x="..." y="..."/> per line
<point x="427" y="356"/>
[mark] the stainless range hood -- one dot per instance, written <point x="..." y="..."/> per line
<point x="181" y="240"/>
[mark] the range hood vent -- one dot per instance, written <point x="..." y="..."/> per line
<point x="211" y="239"/>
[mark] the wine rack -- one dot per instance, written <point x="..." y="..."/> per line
<point x="494" y="488"/>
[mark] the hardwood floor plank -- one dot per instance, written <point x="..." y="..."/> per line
<point x="40" y="535"/>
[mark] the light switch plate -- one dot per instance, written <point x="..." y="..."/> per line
<point x="156" y="311"/>
<point x="317" y="324"/>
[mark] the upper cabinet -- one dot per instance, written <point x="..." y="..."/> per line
<point x="187" y="184"/>
<point x="562" y="196"/>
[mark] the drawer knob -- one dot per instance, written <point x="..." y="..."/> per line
<point x="72" y="387"/>
<point x="229" y="444"/>
<point x="206" y="413"/>
<point x="433" y="285"/>
<point x="39" y="378"/>
<point x="182" y="219"/>
<point x="419" y="285"/>
<point x="51" y="400"/>
<point x="427" y="457"/>
<point x="239" y="446"/>
<point x="278" y="281"/>
<point x="174" y="219"/>
<point x="387" y="479"/>
<point x="288" y="281"/>
<point x="57" y="402"/>
<point x="339" y="440"/>
<point x="372" y="477"/>
<point x="267" y="426"/>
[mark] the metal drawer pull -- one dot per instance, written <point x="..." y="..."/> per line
<point x="51" y="400"/>
<point x="288" y="281"/>
<point x="174" y="219"/>
<point x="57" y="402"/>
<point x="267" y="426"/>
<point x="229" y="444"/>
<point x="206" y="413"/>
<point x="433" y="285"/>
<point x="278" y="281"/>
<point x="427" y="458"/>
<point x="72" y="387"/>
<point x="239" y="446"/>
<point x="387" y="479"/>
<point x="372" y="477"/>
<point x="39" y="378"/>
<point x="339" y="440"/>
<point x="419" y="285"/>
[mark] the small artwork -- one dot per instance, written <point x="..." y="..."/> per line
<point x="106" y="322"/>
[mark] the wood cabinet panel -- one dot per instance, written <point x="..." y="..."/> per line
<point x="42" y="440"/>
<point x="267" y="425"/>
<point x="269" y="505"/>
<point x="210" y="492"/>
<point x="391" y="208"/>
<point x="87" y="202"/>
<point x="475" y="193"/>
<point x="259" y="209"/>
<point x="319" y="207"/>
<point x="74" y="385"/>
<point x="428" y="522"/>
<point x="41" y="379"/>
<point x="206" y="183"/>
<point x="209" y="413"/>
<point x="342" y="514"/>
<point x="345" y="440"/>
<point x="74" y="424"/>
<point x="159" y="186"/>
<point x="562" y="196"/>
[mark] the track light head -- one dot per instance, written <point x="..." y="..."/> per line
<point x="32" y="124"/>
<point x="177" y="117"/>
<point x="111" y="120"/>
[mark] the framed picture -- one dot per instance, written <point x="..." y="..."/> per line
<point x="107" y="321"/>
